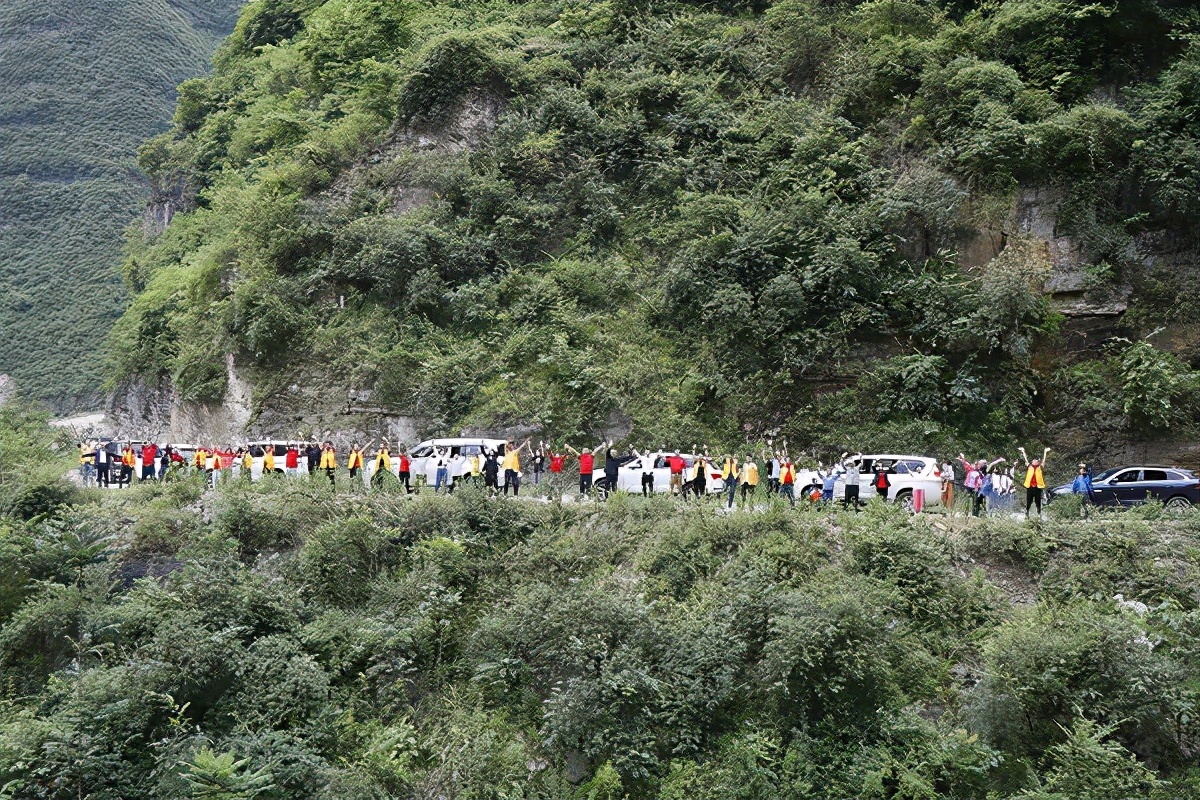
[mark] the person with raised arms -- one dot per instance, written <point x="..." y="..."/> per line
<point x="1035" y="481"/>
<point x="587" y="466"/>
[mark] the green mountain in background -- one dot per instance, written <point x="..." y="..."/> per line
<point x="84" y="83"/>
<point x="894" y="223"/>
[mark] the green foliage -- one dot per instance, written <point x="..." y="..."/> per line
<point x="213" y="776"/>
<point x="288" y="641"/>
<point x="73" y="118"/>
<point x="690" y="219"/>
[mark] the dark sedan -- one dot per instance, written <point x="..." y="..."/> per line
<point x="1130" y="486"/>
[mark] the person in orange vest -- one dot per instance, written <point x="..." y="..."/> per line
<point x="355" y="462"/>
<point x="1035" y="481"/>
<point x="329" y="461"/>
<point x="200" y="459"/>
<point x="128" y="462"/>
<point x="787" y="478"/>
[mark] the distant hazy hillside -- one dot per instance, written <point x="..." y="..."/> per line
<point x="82" y="84"/>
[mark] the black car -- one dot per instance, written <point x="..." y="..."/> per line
<point x="1132" y="485"/>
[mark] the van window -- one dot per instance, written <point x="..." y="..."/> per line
<point x="422" y="452"/>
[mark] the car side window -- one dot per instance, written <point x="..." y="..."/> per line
<point x="1128" y="476"/>
<point x="1154" y="475"/>
<point x="1176" y="476"/>
<point x="422" y="452"/>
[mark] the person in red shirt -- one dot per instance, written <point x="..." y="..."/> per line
<point x="558" y="462"/>
<point x="405" y="470"/>
<point x="149" y="456"/>
<point x="676" y="463"/>
<point x="587" y="466"/>
<point x="291" y="460"/>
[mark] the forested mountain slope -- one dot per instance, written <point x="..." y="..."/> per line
<point x="84" y="83"/>
<point x="671" y="219"/>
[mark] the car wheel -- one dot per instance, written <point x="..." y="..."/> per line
<point x="905" y="500"/>
<point x="1178" y="503"/>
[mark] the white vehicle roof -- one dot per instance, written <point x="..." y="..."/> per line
<point x="459" y="441"/>
<point x="890" y="457"/>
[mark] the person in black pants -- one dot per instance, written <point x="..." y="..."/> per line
<point x="102" y="466"/>
<point x="881" y="482"/>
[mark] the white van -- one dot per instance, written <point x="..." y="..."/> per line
<point x="279" y="447"/>
<point x="461" y="449"/>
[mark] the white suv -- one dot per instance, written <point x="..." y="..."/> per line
<point x="458" y="466"/>
<point x="905" y="473"/>
<point x="629" y="475"/>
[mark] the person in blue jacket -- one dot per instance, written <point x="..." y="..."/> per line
<point x="1082" y="485"/>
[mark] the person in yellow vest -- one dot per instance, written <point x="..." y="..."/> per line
<point x="475" y="462"/>
<point x="748" y="479"/>
<point x="355" y="462"/>
<point x="1035" y="481"/>
<point x="268" y="460"/>
<point x="329" y="461"/>
<point x="199" y="459"/>
<point x="383" y="464"/>
<point x="247" y="462"/>
<point x="87" y="462"/>
<point x="730" y="473"/>
<point x="512" y="466"/>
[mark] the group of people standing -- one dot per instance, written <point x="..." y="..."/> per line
<point x="992" y="485"/>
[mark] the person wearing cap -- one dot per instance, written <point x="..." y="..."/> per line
<point x="1035" y="481"/>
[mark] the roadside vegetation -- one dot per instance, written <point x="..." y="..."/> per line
<point x="280" y="640"/>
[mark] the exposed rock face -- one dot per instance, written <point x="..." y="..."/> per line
<point x="301" y="410"/>
<point x="8" y="389"/>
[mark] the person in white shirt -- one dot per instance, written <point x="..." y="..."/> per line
<point x="948" y="485"/>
